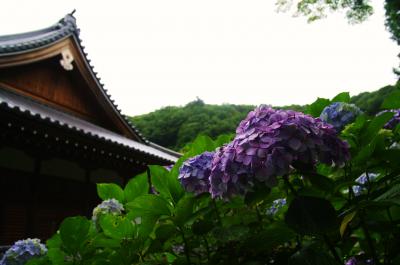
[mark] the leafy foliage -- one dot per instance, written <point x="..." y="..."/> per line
<point x="392" y="22"/>
<point x="175" y="127"/>
<point x="370" y="102"/>
<point x="356" y="11"/>
<point x="324" y="222"/>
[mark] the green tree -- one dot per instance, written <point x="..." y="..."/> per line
<point x="175" y="127"/>
<point x="356" y="11"/>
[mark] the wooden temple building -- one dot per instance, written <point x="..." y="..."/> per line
<point x="60" y="133"/>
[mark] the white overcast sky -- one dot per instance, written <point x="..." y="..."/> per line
<point x="156" y="53"/>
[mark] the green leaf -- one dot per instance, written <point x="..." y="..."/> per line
<point x="375" y="125"/>
<point x="342" y="97"/>
<point x="136" y="187"/>
<point x="311" y="256"/>
<point x="316" y="108"/>
<point x="110" y="191"/>
<point x="155" y="246"/>
<point x="202" y="227"/>
<point x="39" y="261"/>
<point x="223" y="139"/>
<point x="73" y="232"/>
<point x="201" y="144"/>
<point x="54" y="241"/>
<point x="149" y="205"/>
<point x="393" y="195"/>
<point x="345" y="222"/>
<point x="321" y="182"/>
<point x="147" y="224"/>
<point x="116" y="226"/>
<point x="311" y="215"/>
<point x="165" y="231"/>
<point x="378" y="205"/>
<point x="159" y="179"/>
<point x="101" y="241"/>
<point x="183" y="210"/>
<point x="56" y="256"/>
<point x="259" y="193"/>
<point x="364" y="153"/>
<point x="166" y="183"/>
<point x="392" y="101"/>
<point x="275" y="234"/>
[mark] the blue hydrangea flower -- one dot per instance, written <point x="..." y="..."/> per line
<point x="178" y="249"/>
<point x="22" y="251"/>
<point x="194" y="173"/>
<point x="394" y="146"/>
<point x="392" y="123"/>
<point x="271" y="143"/>
<point x="363" y="181"/>
<point x="276" y="206"/>
<point x="339" y="114"/>
<point x="110" y="206"/>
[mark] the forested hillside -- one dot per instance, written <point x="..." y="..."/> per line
<point x="174" y="127"/>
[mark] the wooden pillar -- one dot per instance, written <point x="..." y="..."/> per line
<point x="31" y="204"/>
<point x="88" y="191"/>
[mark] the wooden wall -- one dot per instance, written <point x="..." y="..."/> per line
<point x="47" y="82"/>
<point x="34" y="205"/>
<point x="55" y="199"/>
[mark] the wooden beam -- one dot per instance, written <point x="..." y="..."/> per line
<point x="31" y="204"/>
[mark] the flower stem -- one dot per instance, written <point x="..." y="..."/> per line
<point x="369" y="240"/>
<point x="259" y="216"/>
<point x="332" y="249"/>
<point x="186" y="246"/>
<point x="216" y="211"/>
<point x="286" y="179"/>
<point x="207" y="248"/>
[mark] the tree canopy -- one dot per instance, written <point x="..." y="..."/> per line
<point x="356" y="11"/>
<point x="174" y="127"/>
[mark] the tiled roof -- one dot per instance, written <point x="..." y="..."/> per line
<point x="65" y="28"/>
<point x="50" y="115"/>
<point x="19" y="43"/>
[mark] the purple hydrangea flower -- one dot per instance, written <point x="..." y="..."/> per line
<point x="392" y="123"/>
<point x="358" y="261"/>
<point x="110" y="206"/>
<point x="276" y="206"/>
<point x="22" y="251"/>
<point x="352" y="261"/>
<point x="169" y="167"/>
<point x="271" y="143"/>
<point x="194" y="173"/>
<point x="227" y="177"/>
<point x="339" y="114"/>
<point x="363" y="181"/>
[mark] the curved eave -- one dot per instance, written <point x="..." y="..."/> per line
<point x="165" y="150"/>
<point x="26" y="48"/>
<point x="53" y="117"/>
<point x="107" y="97"/>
